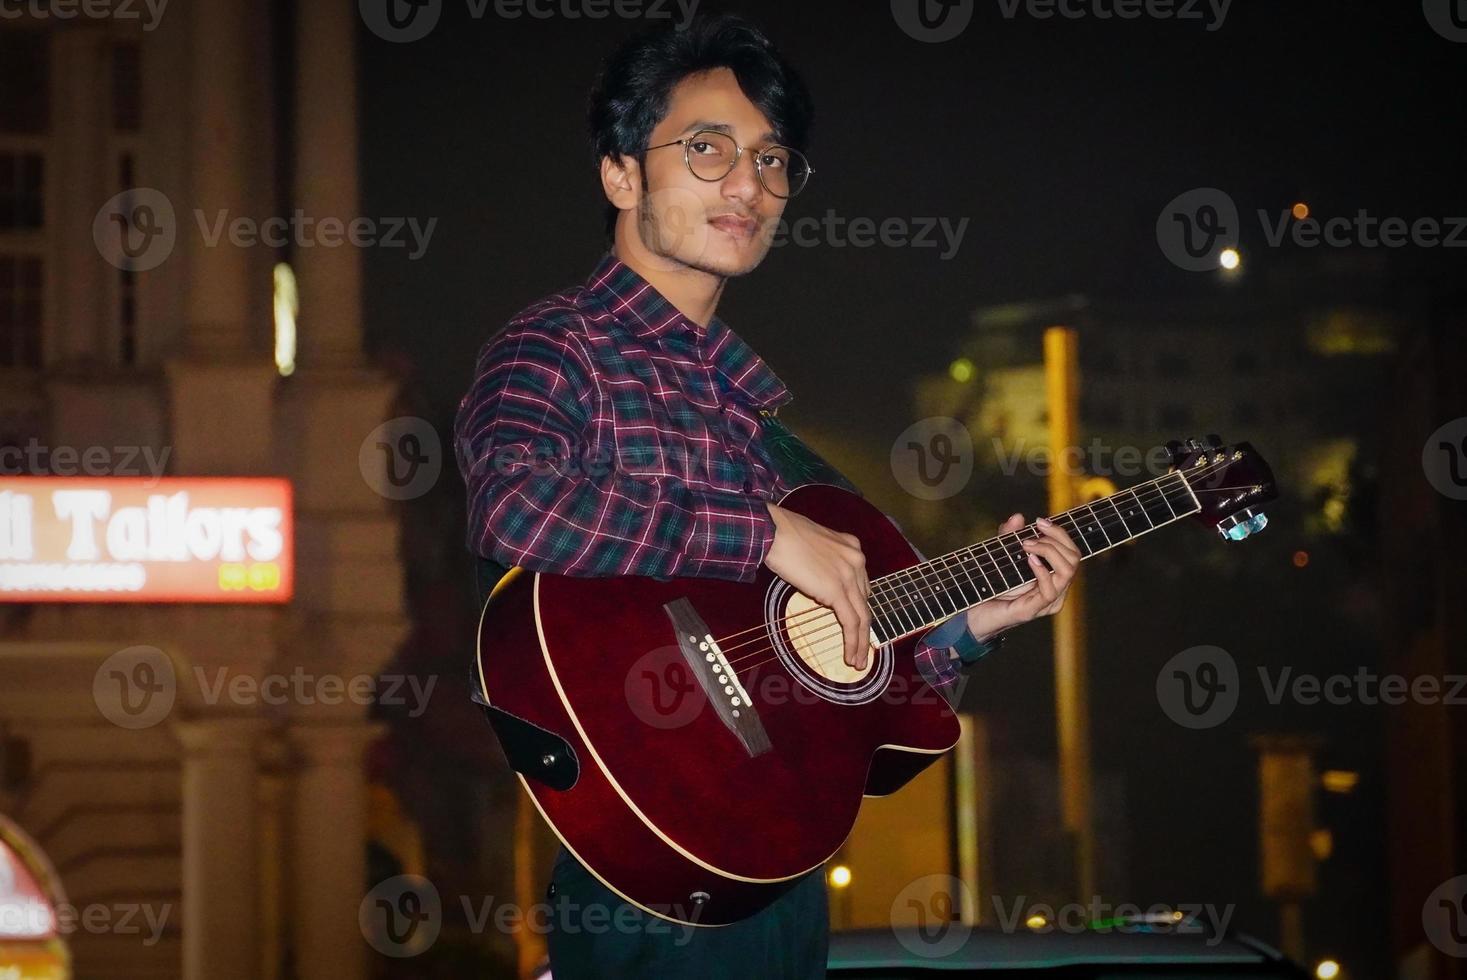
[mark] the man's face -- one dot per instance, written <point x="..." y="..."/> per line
<point x="720" y="227"/>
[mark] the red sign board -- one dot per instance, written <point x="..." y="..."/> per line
<point x="139" y="539"/>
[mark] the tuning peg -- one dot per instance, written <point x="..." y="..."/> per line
<point x="1236" y="527"/>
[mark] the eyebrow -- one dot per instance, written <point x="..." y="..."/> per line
<point x="719" y="127"/>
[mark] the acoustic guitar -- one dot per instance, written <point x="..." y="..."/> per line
<point x="700" y="744"/>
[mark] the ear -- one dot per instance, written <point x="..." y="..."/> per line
<point x="621" y="181"/>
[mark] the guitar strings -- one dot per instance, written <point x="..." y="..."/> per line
<point x="824" y="653"/>
<point x="955" y="573"/>
<point x="946" y="576"/>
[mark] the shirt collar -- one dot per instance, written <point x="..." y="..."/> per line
<point x="648" y="315"/>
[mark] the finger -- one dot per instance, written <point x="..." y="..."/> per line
<point x="845" y="614"/>
<point x="1043" y="580"/>
<point x="1059" y="560"/>
<point x="1058" y="535"/>
<point x="863" y="640"/>
<point x="1014" y="522"/>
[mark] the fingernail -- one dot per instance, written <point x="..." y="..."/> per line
<point x="1043" y="522"/>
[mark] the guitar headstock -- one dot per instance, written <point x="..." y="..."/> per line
<point x="1230" y="482"/>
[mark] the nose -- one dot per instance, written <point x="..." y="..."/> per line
<point x="742" y="183"/>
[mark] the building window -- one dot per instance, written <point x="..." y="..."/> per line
<point x="25" y="80"/>
<point x="20" y="311"/>
<point x="22" y="191"/>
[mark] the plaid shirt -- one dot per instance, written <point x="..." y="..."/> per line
<point x="607" y="434"/>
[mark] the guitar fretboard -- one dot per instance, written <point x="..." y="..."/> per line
<point x="919" y="597"/>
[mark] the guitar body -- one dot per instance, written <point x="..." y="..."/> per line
<point x="671" y="808"/>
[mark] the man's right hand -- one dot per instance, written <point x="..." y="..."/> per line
<point x="827" y="566"/>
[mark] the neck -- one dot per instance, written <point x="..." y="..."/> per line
<point x="694" y="292"/>
<point x="924" y="595"/>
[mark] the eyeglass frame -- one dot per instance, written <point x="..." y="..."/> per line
<point x="687" y="141"/>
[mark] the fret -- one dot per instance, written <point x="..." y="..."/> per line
<point x="919" y="592"/>
<point x="1135" y="511"/>
<point x="985" y="588"/>
<point x="1072" y="528"/>
<point x="932" y="580"/>
<point x="999" y="561"/>
<point x="1158" y="510"/>
<point x="968" y="592"/>
<point x="1124" y="532"/>
<point x="1096" y="524"/>
<point x="1019" y="557"/>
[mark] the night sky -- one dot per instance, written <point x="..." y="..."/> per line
<point x="1060" y="140"/>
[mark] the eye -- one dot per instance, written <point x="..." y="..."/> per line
<point x="775" y="160"/>
<point x="703" y="147"/>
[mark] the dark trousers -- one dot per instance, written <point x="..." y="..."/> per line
<point x="593" y="933"/>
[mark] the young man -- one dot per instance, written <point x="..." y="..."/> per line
<point x="621" y="428"/>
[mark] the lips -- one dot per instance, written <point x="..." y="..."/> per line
<point x="735" y="226"/>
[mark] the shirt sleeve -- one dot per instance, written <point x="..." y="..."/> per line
<point x="544" y="496"/>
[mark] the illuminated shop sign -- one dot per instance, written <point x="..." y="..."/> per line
<point x="138" y="539"/>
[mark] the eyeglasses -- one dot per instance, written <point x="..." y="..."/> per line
<point x="712" y="156"/>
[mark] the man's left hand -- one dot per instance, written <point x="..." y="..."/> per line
<point x="1044" y="596"/>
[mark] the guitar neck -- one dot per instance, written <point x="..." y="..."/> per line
<point x="917" y="598"/>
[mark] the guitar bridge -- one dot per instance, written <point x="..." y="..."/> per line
<point x="717" y="678"/>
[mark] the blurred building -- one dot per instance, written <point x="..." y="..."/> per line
<point x="130" y="327"/>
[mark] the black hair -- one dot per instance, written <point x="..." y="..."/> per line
<point x="631" y="93"/>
